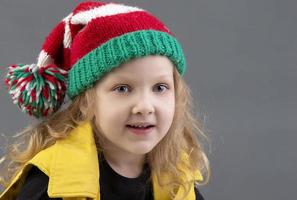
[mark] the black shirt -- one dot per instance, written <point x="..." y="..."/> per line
<point x="116" y="186"/>
<point x="113" y="186"/>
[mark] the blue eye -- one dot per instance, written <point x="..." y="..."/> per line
<point x="124" y="89"/>
<point x="121" y="88"/>
<point x="160" y="86"/>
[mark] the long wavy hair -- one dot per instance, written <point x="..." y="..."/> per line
<point x="185" y="135"/>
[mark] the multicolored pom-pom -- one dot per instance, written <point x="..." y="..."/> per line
<point x="39" y="91"/>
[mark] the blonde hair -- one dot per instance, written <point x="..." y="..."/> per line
<point x="185" y="135"/>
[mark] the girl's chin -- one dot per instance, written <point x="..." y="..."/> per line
<point x="141" y="149"/>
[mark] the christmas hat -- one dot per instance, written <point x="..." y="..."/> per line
<point x="92" y="40"/>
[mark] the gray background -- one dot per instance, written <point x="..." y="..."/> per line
<point x="241" y="68"/>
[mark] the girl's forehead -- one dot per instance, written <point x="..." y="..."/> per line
<point x="149" y="65"/>
<point x="133" y="77"/>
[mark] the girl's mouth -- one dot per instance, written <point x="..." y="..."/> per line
<point x="141" y="130"/>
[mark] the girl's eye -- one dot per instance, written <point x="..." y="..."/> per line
<point x="161" y="87"/>
<point x="121" y="88"/>
<point x="124" y="88"/>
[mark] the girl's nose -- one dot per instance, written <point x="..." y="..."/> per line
<point x="143" y="105"/>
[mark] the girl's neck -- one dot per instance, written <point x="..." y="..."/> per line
<point x="124" y="163"/>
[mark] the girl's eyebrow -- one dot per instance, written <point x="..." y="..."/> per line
<point x="167" y="76"/>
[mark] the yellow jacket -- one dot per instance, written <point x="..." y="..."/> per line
<point x="73" y="170"/>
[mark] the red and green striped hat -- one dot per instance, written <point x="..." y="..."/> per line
<point x="92" y="40"/>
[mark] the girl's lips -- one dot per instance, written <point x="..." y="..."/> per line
<point x="141" y="131"/>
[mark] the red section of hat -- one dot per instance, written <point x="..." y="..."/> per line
<point x="84" y="6"/>
<point x="102" y="29"/>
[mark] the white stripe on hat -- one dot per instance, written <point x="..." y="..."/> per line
<point x="67" y="34"/>
<point x="106" y="10"/>
<point x="44" y="59"/>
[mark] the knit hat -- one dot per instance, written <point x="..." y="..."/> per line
<point x="92" y="40"/>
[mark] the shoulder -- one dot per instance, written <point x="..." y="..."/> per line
<point x="34" y="186"/>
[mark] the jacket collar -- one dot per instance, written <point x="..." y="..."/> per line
<point x="80" y="151"/>
<point x="80" y="174"/>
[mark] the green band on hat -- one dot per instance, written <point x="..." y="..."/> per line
<point x="118" y="50"/>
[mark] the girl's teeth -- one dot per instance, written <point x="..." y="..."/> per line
<point x="140" y="127"/>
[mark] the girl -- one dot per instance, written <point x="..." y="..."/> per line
<point x="128" y="132"/>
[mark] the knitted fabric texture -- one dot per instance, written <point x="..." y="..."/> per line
<point x="92" y="40"/>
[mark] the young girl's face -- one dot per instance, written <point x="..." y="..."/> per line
<point x="141" y="90"/>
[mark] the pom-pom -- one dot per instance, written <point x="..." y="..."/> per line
<point x="39" y="91"/>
